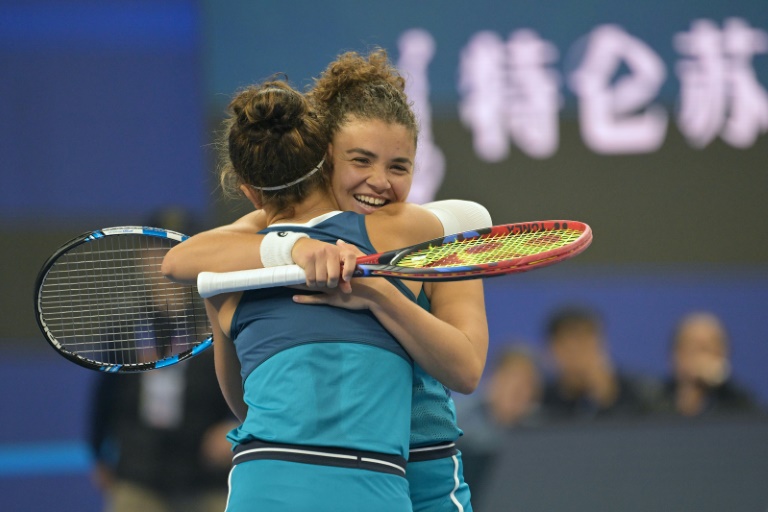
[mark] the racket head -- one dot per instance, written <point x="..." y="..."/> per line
<point x="102" y="302"/>
<point x="486" y="252"/>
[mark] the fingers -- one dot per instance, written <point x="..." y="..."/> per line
<point x="310" y="299"/>
<point x="315" y="265"/>
<point x="357" y="252"/>
<point x="333" y="269"/>
<point x="326" y="265"/>
<point x="348" y="258"/>
<point x="348" y="264"/>
<point x="334" y="266"/>
<point x="309" y="271"/>
<point x="313" y="256"/>
<point x="332" y="298"/>
<point x="345" y="287"/>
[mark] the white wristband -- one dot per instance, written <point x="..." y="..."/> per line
<point x="277" y="246"/>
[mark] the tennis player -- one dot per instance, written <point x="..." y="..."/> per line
<point x="320" y="391"/>
<point x="361" y="99"/>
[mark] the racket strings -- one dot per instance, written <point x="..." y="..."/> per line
<point x="107" y="301"/>
<point x="489" y="249"/>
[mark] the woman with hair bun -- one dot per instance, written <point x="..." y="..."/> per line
<point x="323" y="393"/>
<point x="373" y="133"/>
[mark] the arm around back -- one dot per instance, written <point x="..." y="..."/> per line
<point x="222" y="249"/>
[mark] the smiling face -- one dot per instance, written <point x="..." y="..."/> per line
<point x="372" y="164"/>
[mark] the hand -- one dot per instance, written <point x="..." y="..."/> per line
<point x="366" y="294"/>
<point x="326" y="265"/>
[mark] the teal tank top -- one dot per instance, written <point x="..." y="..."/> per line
<point x="320" y="375"/>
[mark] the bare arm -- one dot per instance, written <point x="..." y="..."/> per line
<point x="226" y="361"/>
<point x="451" y="345"/>
<point x="236" y="246"/>
<point x="450" y="342"/>
<point x="400" y="225"/>
<point x="223" y="249"/>
<point x="461" y="305"/>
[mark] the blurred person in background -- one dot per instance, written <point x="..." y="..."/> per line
<point x="509" y="400"/>
<point x="586" y="383"/>
<point x="159" y="437"/>
<point x="701" y="382"/>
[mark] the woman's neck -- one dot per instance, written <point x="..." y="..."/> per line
<point x="317" y="203"/>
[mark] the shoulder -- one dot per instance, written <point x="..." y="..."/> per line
<point x="395" y="212"/>
<point x="402" y="224"/>
<point x="250" y="223"/>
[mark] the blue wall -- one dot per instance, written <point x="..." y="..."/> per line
<point x="101" y="109"/>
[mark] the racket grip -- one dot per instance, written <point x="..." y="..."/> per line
<point x="215" y="283"/>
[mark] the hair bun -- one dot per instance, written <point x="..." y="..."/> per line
<point x="270" y="110"/>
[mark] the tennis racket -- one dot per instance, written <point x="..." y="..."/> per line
<point x="487" y="252"/>
<point x="102" y="302"/>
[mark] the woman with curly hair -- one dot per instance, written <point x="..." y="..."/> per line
<point x="372" y="134"/>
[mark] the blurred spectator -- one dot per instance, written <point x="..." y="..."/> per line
<point x="159" y="437"/>
<point x="509" y="399"/>
<point x="586" y="383"/>
<point x="701" y="381"/>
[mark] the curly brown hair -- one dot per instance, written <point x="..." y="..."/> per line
<point x="272" y="136"/>
<point x="363" y="87"/>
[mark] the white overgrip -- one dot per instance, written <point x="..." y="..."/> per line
<point x="215" y="283"/>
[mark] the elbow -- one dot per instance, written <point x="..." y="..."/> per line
<point x="171" y="269"/>
<point x="466" y="388"/>
<point x="472" y="373"/>
<point x="468" y="381"/>
<point x="167" y="268"/>
<point x="469" y="387"/>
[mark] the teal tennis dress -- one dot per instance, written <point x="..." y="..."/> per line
<point x="329" y="400"/>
